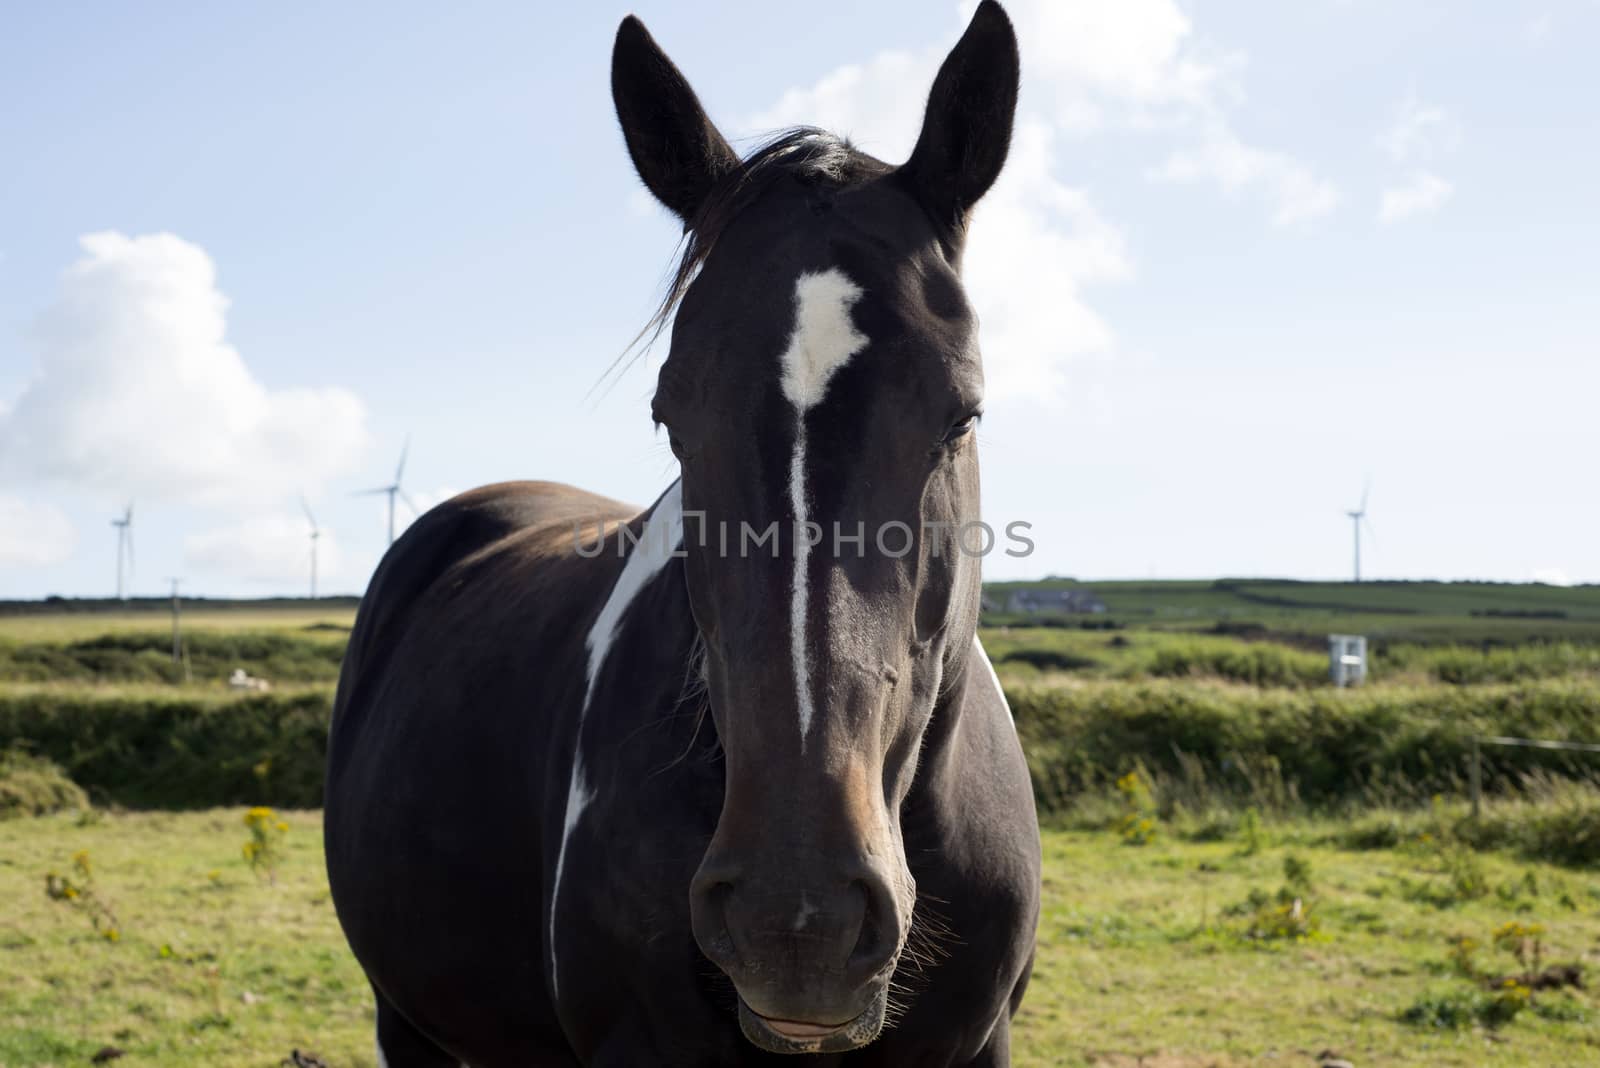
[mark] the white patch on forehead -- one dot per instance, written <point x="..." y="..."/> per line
<point x="658" y="541"/>
<point x="824" y="339"/>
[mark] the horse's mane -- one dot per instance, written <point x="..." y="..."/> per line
<point x="803" y="152"/>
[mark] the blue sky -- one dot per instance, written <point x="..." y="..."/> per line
<point x="1246" y="257"/>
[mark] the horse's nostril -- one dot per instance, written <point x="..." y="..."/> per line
<point x="876" y="942"/>
<point x="710" y="919"/>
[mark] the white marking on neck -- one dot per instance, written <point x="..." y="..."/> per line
<point x="658" y="541"/>
<point x="823" y="341"/>
<point x="977" y="647"/>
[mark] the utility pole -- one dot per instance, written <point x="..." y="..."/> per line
<point x="177" y="628"/>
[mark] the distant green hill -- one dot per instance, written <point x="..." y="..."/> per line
<point x="89" y="605"/>
<point x="1464" y="611"/>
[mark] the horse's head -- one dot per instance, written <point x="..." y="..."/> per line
<point x="820" y="393"/>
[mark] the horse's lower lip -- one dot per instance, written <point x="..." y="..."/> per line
<point x="801" y="1029"/>
<point x="778" y="1035"/>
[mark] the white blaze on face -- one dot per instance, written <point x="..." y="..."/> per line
<point x="823" y="341"/>
<point x="658" y="542"/>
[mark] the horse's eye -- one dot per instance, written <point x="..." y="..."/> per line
<point x="960" y="430"/>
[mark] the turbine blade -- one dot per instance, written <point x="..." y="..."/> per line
<point x="1366" y="490"/>
<point x="371" y="492"/>
<point x="401" y="469"/>
<point x="305" y="506"/>
<point x="409" y="503"/>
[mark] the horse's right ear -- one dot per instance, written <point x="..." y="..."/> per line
<point x="966" y="131"/>
<point x="675" y="148"/>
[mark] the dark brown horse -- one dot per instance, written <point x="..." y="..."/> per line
<point x="730" y="777"/>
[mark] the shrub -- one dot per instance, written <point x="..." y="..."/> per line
<point x="1250" y="831"/>
<point x="1451" y="1010"/>
<point x="1050" y="660"/>
<point x="1444" y="1010"/>
<point x="1323" y="746"/>
<point x="1254" y="663"/>
<point x="146" y="656"/>
<point x="1545" y="818"/>
<point x="1138" y="823"/>
<point x="179" y="751"/>
<point x="78" y="892"/>
<point x="34" y="786"/>
<point x="264" y="849"/>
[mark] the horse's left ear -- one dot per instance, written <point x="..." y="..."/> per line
<point x="967" y="129"/>
<point x="676" y="149"/>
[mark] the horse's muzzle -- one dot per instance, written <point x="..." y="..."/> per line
<point x="811" y="964"/>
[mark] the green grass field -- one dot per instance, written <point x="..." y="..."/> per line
<point x="1141" y="952"/>
<point x="1215" y="690"/>
<point x="330" y="622"/>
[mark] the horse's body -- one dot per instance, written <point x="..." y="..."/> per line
<point x="609" y="789"/>
<point x="449" y="768"/>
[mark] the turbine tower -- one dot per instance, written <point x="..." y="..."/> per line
<point x="393" y="489"/>
<point x="315" y="534"/>
<point x="124" y="526"/>
<point x="1357" y="517"/>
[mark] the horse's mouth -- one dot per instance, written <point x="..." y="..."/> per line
<point x="799" y="1036"/>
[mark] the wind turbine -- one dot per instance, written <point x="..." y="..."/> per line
<point x="393" y="489"/>
<point x="124" y="527"/>
<point x="315" y="534"/>
<point x="1358" y="516"/>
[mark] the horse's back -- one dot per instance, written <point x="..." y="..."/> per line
<point x="450" y="708"/>
<point x="494" y="521"/>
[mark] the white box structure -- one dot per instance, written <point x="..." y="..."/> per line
<point x="1347" y="659"/>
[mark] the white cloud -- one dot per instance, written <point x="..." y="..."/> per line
<point x="272" y="549"/>
<point x="1039" y="242"/>
<point x="1035" y="247"/>
<point x="1095" y="56"/>
<point x="138" y="392"/>
<point x="34" y="534"/>
<point x="866" y="102"/>
<point x="1295" y="192"/>
<point x="1419" y="131"/>
<point x="1421" y="193"/>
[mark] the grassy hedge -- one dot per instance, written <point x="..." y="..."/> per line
<point x="1465" y="665"/>
<point x="33" y="786"/>
<point x="146" y="657"/>
<point x="1252" y="663"/>
<point x="179" y="751"/>
<point x="1318" y="746"/>
<point x="1381" y="744"/>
